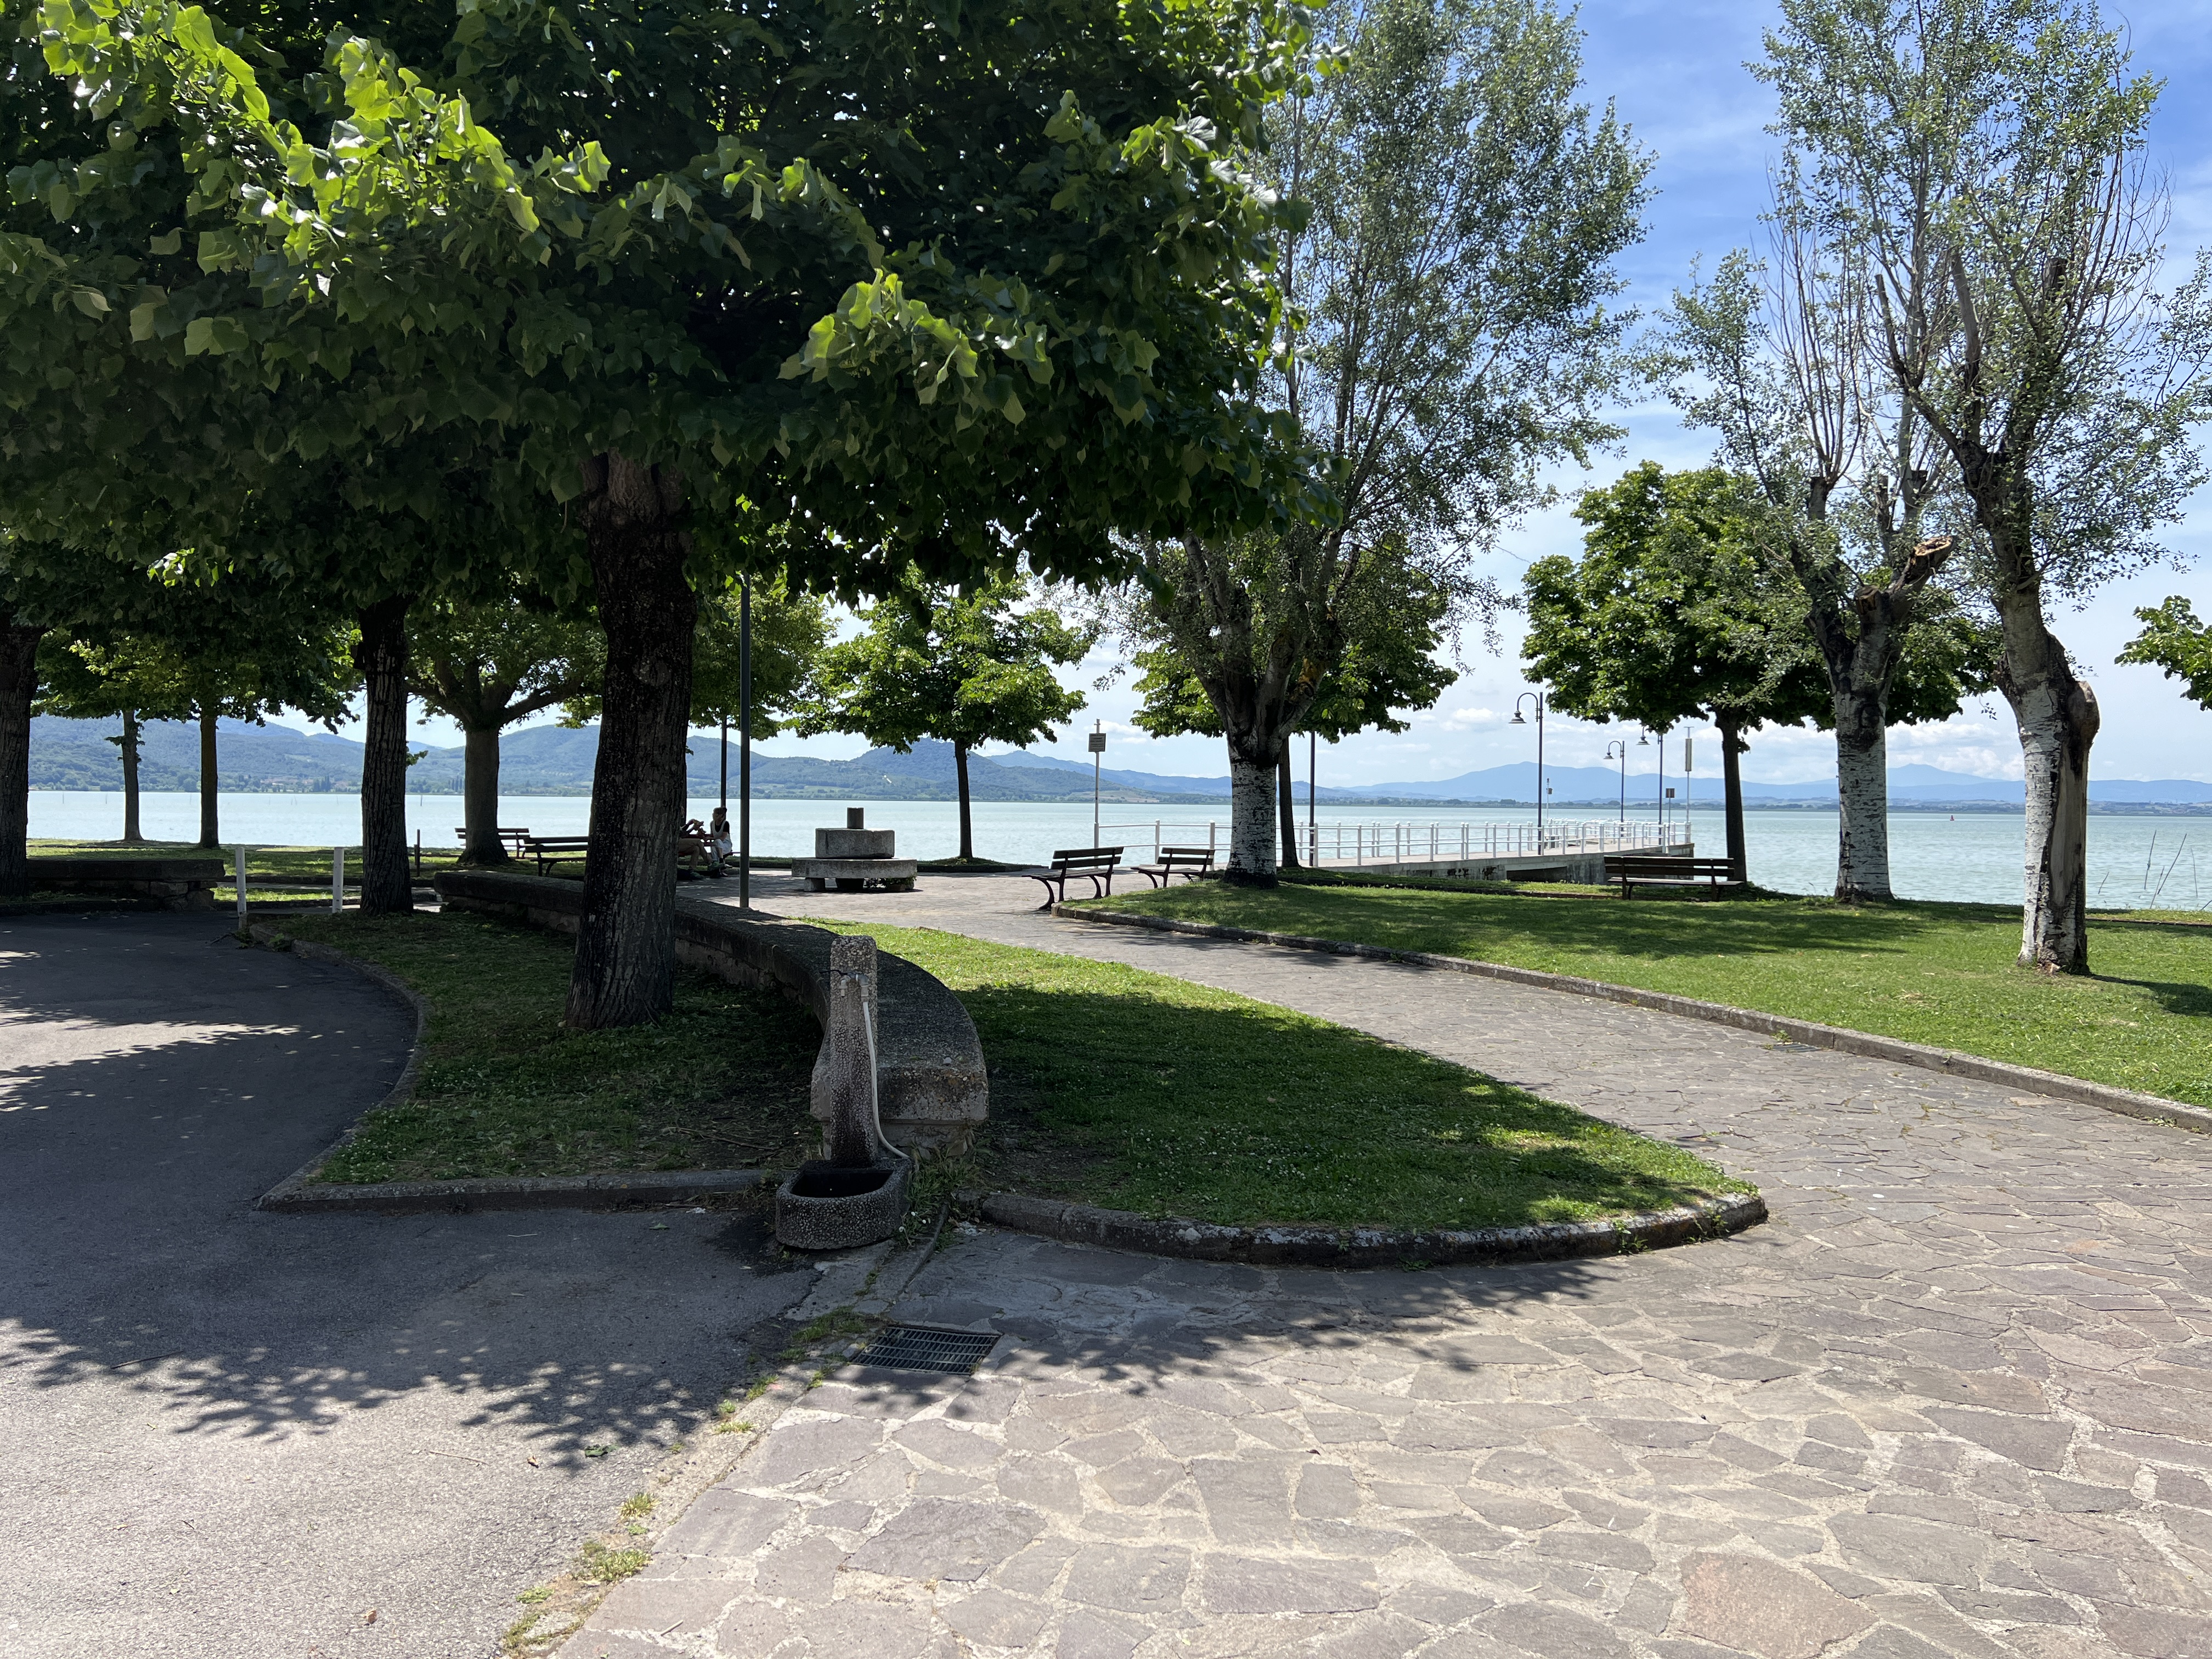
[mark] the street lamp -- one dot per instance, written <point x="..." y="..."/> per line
<point x="1537" y="697"/>
<point x="1621" y="745"/>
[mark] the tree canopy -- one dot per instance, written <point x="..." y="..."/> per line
<point x="2173" y="640"/>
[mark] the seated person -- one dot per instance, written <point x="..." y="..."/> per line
<point x="691" y="842"/>
<point x="718" y="834"/>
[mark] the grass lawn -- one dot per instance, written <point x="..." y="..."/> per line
<point x="1138" y="1091"/>
<point x="1942" y="973"/>
<point x="505" y="1091"/>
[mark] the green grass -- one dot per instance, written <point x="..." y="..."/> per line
<point x="721" y="1083"/>
<point x="1942" y="973"/>
<point x="1142" y="1092"/>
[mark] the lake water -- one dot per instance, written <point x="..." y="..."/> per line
<point x="1974" y="856"/>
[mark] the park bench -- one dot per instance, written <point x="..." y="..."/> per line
<point x="1190" y="861"/>
<point x="552" y="849"/>
<point x="513" y="840"/>
<point x="1633" y="870"/>
<point x="1097" y="863"/>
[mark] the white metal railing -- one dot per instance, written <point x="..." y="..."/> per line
<point x="1456" y="841"/>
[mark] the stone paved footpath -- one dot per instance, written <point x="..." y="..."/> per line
<point x="1954" y="1399"/>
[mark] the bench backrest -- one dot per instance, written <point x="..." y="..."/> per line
<point x="555" y="844"/>
<point x="1199" y="855"/>
<point x="1087" y="858"/>
<point x="1656" y="864"/>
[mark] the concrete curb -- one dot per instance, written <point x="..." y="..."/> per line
<point x="1372" y="1247"/>
<point x="2150" y="1109"/>
<point x="301" y="1193"/>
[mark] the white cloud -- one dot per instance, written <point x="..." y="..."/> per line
<point x="1473" y="719"/>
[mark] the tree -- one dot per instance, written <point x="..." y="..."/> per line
<point x="967" y="668"/>
<point x="1677" y="610"/>
<point x="1445" y="335"/>
<point x="78" y="680"/>
<point x="945" y="296"/>
<point x="1850" y="482"/>
<point x="485" y="667"/>
<point x="1394" y="625"/>
<point x="1983" y="160"/>
<point x="2173" y="640"/>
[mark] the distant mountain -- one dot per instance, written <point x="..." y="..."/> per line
<point x="552" y="760"/>
<point x="541" y="760"/>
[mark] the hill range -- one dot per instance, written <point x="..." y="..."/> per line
<point x="552" y="760"/>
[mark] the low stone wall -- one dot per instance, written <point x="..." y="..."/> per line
<point x="163" y="883"/>
<point x="931" y="1087"/>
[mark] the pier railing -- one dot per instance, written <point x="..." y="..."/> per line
<point x="1406" y="843"/>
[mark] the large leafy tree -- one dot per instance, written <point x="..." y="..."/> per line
<point x="947" y="288"/>
<point x="1446" y="335"/>
<point x="1982" y="162"/>
<point x="2173" y="640"/>
<point x="1395" y="621"/>
<point x="965" y="668"/>
<point x="485" y="667"/>
<point x="1677" y="610"/>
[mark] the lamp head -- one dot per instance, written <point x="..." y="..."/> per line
<point x="1517" y="720"/>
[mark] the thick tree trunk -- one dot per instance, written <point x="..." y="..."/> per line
<point x="1862" y="797"/>
<point x="625" y="971"/>
<point x="210" y="778"/>
<point x="1287" y="805"/>
<point x="1252" y="826"/>
<point x="1732" y="747"/>
<point x="19" y="684"/>
<point x="967" y="820"/>
<point x="2058" y="719"/>
<point x="480" y="841"/>
<point x="388" y="887"/>
<point x="129" y="751"/>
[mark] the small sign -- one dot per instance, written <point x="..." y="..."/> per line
<point x="1097" y="743"/>
<point x="1670" y="794"/>
<point x="1687" y="766"/>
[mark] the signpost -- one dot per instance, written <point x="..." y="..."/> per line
<point x="1098" y="760"/>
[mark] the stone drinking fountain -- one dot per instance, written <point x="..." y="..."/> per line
<point x="858" y="1193"/>
<point x="856" y="855"/>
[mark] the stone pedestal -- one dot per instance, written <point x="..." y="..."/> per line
<point x="858" y="1193"/>
<point x="855" y="857"/>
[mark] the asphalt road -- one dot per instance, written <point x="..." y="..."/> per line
<point x="226" y="1433"/>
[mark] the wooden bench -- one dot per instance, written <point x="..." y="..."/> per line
<point x="1190" y="861"/>
<point x="1097" y="863"/>
<point x="1634" y="870"/>
<point x="552" y="849"/>
<point x="513" y="840"/>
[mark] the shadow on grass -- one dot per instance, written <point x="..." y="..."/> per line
<point x="1244" y="1113"/>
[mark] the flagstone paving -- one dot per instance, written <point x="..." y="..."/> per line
<point x="1954" y="1399"/>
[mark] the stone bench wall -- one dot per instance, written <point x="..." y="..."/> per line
<point x="164" y="883"/>
<point x="931" y="1085"/>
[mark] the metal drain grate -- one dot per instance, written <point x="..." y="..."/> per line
<point x="919" y="1348"/>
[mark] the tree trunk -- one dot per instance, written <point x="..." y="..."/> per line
<point x="624" y="972"/>
<point x="480" y="841"/>
<point x="388" y="887"/>
<point x="1288" y="806"/>
<point x="1862" y="797"/>
<point x="211" y="824"/>
<point x="129" y="751"/>
<point x="19" y="684"/>
<point x="967" y="820"/>
<point x="2058" y="719"/>
<point x="1732" y="747"/>
<point x="1252" y="825"/>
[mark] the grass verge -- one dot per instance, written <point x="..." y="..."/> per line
<point x="1138" y="1091"/>
<point x="271" y="863"/>
<point x="504" y="1090"/>
<point x="1939" y="974"/>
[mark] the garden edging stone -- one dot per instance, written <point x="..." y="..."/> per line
<point x="2127" y="1102"/>
<point x="1309" y="1246"/>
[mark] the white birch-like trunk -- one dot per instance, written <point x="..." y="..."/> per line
<point x="2055" y="754"/>
<point x="1861" y="801"/>
<point x="1251" y="819"/>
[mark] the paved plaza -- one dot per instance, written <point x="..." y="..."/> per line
<point x="1954" y="1399"/>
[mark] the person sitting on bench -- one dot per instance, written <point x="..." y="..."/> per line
<point x="717" y="836"/>
<point x="692" y="841"/>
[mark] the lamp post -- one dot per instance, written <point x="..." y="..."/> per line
<point x="1621" y="745"/>
<point x="744" y="742"/>
<point x="1313" y="792"/>
<point x="1537" y="697"/>
<point x="1098" y="760"/>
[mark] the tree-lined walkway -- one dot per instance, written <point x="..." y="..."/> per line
<point x="1955" y="1398"/>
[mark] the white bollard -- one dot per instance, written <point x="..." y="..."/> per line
<point x="338" y="881"/>
<point x="238" y="866"/>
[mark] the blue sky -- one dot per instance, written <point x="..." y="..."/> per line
<point x="1675" y="69"/>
